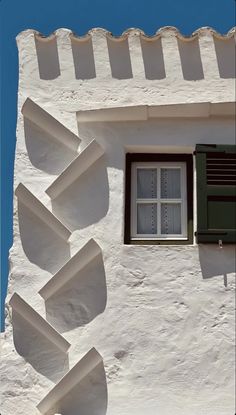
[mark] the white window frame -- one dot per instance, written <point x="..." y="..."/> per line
<point x="158" y="200"/>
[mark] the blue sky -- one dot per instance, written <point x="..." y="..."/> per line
<point x="80" y="15"/>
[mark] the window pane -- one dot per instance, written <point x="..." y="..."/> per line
<point x="170" y="183"/>
<point x="146" y="183"/>
<point x="171" y="218"/>
<point x="146" y="218"/>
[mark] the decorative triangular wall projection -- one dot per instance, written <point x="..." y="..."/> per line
<point x="53" y="401"/>
<point x="34" y="204"/>
<point x="50" y="125"/>
<point x="78" y="166"/>
<point x="34" y="319"/>
<point x="84" y="256"/>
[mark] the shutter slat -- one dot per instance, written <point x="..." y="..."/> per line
<point x="221" y="162"/>
<point x="229" y="171"/>
<point x="227" y="198"/>
<point x="220" y="176"/>
<point x="221" y="182"/>
<point x="220" y="155"/>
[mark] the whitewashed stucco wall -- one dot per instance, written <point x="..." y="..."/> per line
<point x="161" y="317"/>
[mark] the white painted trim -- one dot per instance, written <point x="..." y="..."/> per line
<point x="34" y="204"/>
<point x="134" y="113"/>
<point x="180" y="110"/>
<point x="50" y="125"/>
<point x="146" y="112"/>
<point x="223" y="109"/>
<point x="38" y="322"/>
<point x="85" y="255"/>
<point x="50" y="404"/>
<point x="83" y="161"/>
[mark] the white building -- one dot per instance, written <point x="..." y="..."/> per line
<point x="121" y="282"/>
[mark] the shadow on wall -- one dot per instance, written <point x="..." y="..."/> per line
<point x="83" y="59"/>
<point x="45" y="153"/>
<point x="190" y="60"/>
<point x="89" y="397"/>
<point x="37" y="350"/>
<point x="81" y="300"/>
<point x="40" y="243"/>
<point x="48" y="59"/>
<point x="119" y="57"/>
<point x="215" y="261"/>
<point x="120" y="61"/>
<point x="153" y="59"/>
<point x="225" y="53"/>
<point x="86" y="201"/>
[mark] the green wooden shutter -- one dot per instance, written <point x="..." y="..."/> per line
<point x="216" y="193"/>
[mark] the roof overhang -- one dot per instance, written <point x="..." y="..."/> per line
<point x="147" y="112"/>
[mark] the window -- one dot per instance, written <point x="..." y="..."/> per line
<point x="216" y="193"/>
<point x="159" y="205"/>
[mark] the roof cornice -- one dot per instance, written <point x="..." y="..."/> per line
<point x="146" y="112"/>
<point x="162" y="32"/>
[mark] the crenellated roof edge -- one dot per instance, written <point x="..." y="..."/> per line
<point x="162" y="32"/>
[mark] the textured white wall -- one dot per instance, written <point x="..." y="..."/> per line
<point x="161" y="317"/>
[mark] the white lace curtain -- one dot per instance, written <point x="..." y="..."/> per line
<point x="160" y="185"/>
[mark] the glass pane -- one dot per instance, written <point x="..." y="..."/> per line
<point x="146" y="183"/>
<point x="170" y="184"/>
<point x="171" y="218"/>
<point x="146" y="218"/>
